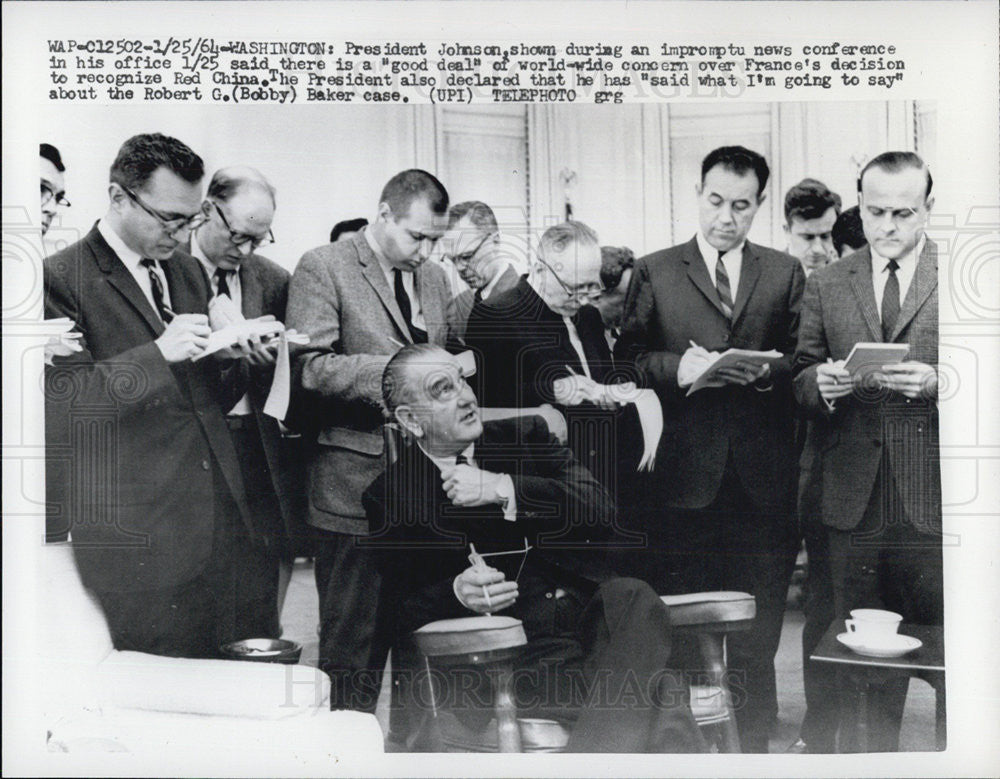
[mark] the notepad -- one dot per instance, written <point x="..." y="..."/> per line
<point x="731" y="358"/>
<point x="871" y="356"/>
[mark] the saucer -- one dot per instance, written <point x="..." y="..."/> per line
<point x="895" y="646"/>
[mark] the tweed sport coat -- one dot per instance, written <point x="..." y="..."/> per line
<point x="339" y="296"/>
<point x="844" y="448"/>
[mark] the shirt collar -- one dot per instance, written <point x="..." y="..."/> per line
<point x="710" y="254"/>
<point x="448" y="462"/>
<point x="118" y="246"/>
<point x="199" y="255"/>
<point x="387" y="267"/>
<point x="879" y="262"/>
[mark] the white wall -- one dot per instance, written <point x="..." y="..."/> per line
<point x="636" y="165"/>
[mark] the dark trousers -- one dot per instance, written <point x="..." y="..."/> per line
<point x="885" y="563"/>
<point x="819" y="726"/>
<point x="235" y="597"/>
<point x="353" y="639"/>
<point x="730" y="544"/>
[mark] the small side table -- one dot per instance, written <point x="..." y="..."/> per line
<point x="863" y="672"/>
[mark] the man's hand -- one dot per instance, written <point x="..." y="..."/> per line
<point x="185" y="337"/>
<point x="468" y="486"/>
<point x="833" y="381"/>
<point x="250" y="346"/>
<point x="484" y="590"/>
<point x="744" y="373"/>
<point x="574" y="390"/>
<point x="692" y="365"/>
<point x="913" y="379"/>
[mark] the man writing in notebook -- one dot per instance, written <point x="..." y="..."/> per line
<point x="721" y="512"/>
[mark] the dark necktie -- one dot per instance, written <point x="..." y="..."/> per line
<point x="477" y="297"/>
<point x="222" y="281"/>
<point x="722" y="285"/>
<point x="157" y="287"/>
<point x="890" y="301"/>
<point x="462" y="460"/>
<point x="403" y="301"/>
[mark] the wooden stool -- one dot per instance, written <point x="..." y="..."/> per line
<point x="495" y="642"/>
<point x="711" y="616"/>
<point x="489" y="642"/>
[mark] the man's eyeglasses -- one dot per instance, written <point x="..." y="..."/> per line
<point x="589" y="290"/>
<point x="49" y="194"/>
<point x="466" y="257"/>
<point x="242" y="239"/>
<point x="171" y="225"/>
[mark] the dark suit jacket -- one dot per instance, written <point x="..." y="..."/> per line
<point x="461" y="305"/>
<point x="522" y="346"/>
<point x="130" y="439"/>
<point x="672" y="301"/>
<point x="340" y="298"/>
<point x="422" y="541"/>
<point x="264" y="290"/>
<point x="844" y="448"/>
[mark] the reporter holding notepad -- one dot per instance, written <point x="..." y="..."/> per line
<point x="719" y="512"/>
<point x="873" y="441"/>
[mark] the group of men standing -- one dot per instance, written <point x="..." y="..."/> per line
<point x="189" y="503"/>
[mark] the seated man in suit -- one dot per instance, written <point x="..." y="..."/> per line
<point x="473" y="241"/>
<point x="505" y="486"/>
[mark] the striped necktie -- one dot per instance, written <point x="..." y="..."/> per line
<point x="722" y="285"/>
<point x="157" y="287"/>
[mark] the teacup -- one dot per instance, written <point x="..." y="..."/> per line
<point x="873" y="624"/>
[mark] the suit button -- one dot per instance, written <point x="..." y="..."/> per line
<point x="920" y="428"/>
<point x="204" y="465"/>
<point x="548" y="595"/>
<point x="876" y="443"/>
<point x="725" y="339"/>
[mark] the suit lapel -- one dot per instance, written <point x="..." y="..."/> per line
<point x="430" y="305"/>
<point x="923" y="284"/>
<point x="123" y="281"/>
<point x="864" y="291"/>
<point x="698" y="274"/>
<point x="749" y="273"/>
<point x="251" y="290"/>
<point x="372" y="271"/>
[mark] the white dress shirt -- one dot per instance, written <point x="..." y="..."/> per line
<point x="732" y="261"/>
<point x="409" y="282"/>
<point x="242" y="407"/>
<point x="904" y="274"/>
<point x="504" y="490"/>
<point x="131" y="260"/>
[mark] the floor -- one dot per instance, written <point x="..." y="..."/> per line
<point x="300" y="617"/>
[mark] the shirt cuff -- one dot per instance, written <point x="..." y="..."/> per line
<point x="508" y="498"/>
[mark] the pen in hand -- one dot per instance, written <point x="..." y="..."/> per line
<point x="480" y="565"/>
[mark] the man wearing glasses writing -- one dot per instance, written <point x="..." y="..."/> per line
<point x="238" y="213"/>
<point x="153" y="517"/>
<point x="508" y="490"/>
